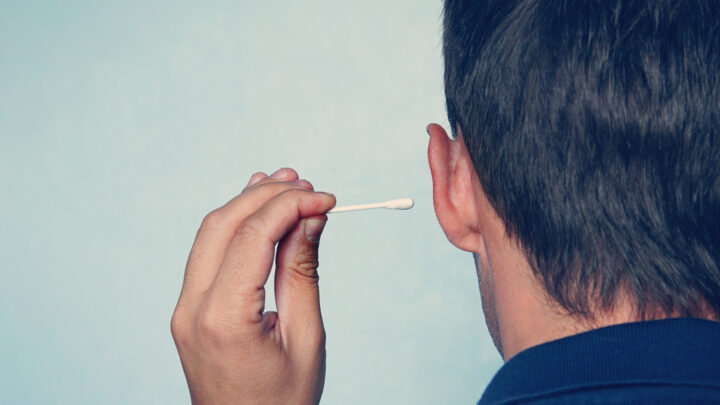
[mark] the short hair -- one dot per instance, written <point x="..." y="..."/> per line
<point x="594" y="129"/>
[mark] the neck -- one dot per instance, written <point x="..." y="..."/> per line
<point x="532" y="319"/>
<point x="525" y="315"/>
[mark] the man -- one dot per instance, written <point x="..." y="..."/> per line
<point x="585" y="179"/>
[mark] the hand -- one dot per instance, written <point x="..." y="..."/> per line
<point x="232" y="351"/>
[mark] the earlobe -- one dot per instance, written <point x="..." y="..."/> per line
<point x="454" y="192"/>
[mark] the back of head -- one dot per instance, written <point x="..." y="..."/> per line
<point x="594" y="127"/>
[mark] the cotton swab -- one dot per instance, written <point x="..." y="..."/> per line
<point x="398" y="204"/>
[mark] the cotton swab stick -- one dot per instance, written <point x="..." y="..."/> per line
<point x="398" y="204"/>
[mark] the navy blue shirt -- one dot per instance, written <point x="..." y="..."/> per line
<point x="669" y="361"/>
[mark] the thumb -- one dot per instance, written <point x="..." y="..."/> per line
<point x="296" y="282"/>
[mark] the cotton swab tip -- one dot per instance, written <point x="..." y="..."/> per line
<point x="400" y="204"/>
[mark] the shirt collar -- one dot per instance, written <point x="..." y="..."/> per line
<point x="671" y="351"/>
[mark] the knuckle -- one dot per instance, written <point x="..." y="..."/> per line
<point x="213" y="331"/>
<point x="250" y="228"/>
<point x="257" y="179"/>
<point x="305" y="184"/>
<point x="306" y="269"/>
<point x="292" y="193"/>
<point x="214" y="220"/>
<point x="179" y="329"/>
<point x="320" y="339"/>
<point x="270" y="188"/>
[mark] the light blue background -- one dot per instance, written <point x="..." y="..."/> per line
<point x="123" y="123"/>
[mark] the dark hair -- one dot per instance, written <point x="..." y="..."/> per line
<point x="594" y="127"/>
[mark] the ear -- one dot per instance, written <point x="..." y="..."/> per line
<point x="455" y="189"/>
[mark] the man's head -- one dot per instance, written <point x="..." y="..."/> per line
<point x="593" y="128"/>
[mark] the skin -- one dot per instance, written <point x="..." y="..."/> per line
<point x="518" y="312"/>
<point x="232" y="352"/>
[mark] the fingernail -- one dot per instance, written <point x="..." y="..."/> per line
<point x="313" y="229"/>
